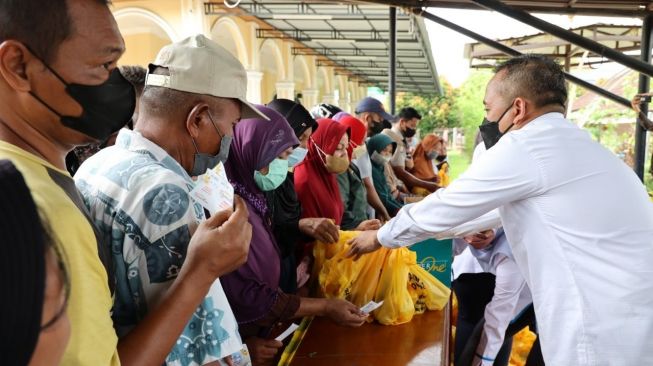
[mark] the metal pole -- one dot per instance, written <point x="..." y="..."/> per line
<point x="644" y="83"/>
<point x="509" y="51"/>
<point x="392" y="75"/>
<point x="578" y="40"/>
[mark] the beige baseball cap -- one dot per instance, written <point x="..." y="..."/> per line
<point x="198" y="65"/>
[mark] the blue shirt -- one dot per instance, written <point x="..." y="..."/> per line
<point x="138" y="197"/>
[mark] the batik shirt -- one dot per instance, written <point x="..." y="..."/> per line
<point x="138" y="197"/>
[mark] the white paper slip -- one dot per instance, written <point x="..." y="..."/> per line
<point x="213" y="190"/>
<point x="371" y="306"/>
<point x="291" y="329"/>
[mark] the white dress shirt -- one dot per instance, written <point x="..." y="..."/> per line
<point x="580" y="225"/>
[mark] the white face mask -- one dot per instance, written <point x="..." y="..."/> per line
<point x="380" y="159"/>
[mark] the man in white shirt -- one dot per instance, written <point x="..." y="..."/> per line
<point x="578" y="220"/>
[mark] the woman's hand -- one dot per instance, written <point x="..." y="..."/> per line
<point x="344" y="313"/>
<point x="321" y="229"/>
<point x="263" y="351"/>
<point x="373" y="224"/>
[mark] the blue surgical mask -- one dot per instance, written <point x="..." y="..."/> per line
<point x="297" y="156"/>
<point x="277" y="172"/>
<point x="205" y="161"/>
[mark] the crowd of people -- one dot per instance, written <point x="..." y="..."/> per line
<point x="112" y="261"/>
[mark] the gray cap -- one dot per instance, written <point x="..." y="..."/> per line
<point x="198" y="65"/>
<point x="369" y="104"/>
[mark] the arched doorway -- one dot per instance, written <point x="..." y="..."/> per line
<point x="145" y="33"/>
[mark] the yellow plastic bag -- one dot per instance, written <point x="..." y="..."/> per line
<point x="426" y="291"/>
<point x="344" y="278"/>
<point x="389" y="275"/>
<point x="398" y="307"/>
<point x="363" y="290"/>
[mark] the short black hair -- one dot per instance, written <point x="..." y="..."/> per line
<point x="135" y="75"/>
<point x="408" y="113"/>
<point x="536" y="77"/>
<point x="40" y="25"/>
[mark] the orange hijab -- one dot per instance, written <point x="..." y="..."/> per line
<point x="423" y="168"/>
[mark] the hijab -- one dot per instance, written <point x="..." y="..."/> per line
<point x="23" y="268"/>
<point x="252" y="289"/>
<point x="423" y="166"/>
<point x="318" y="189"/>
<point x="357" y="131"/>
<point x="299" y="118"/>
<point x="378" y="143"/>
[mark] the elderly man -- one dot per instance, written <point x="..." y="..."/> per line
<point x="577" y="218"/>
<point x="138" y="190"/>
<point x="59" y="88"/>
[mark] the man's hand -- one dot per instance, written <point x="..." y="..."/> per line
<point x="220" y="244"/>
<point x="321" y="229"/>
<point x="480" y="240"/>
<point x="263" y="351"/>
<point x="373" y="224"/>
<point x="365" y="242"/>
<point x="344" y="313"/>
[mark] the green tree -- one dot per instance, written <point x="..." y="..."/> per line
<point x="468" y="105"/>
<point x="436" y="110"/>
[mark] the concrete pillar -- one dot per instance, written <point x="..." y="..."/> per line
<point x="254" y="86"/>
<point x="329" y="99"/>
<point x="193" y="19"/>
<point x="345" y="105"/>
<point x="309" y="97"/>
<point x="286" y="90"/>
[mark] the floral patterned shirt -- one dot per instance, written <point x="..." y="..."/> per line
<point x="138" y="196"/>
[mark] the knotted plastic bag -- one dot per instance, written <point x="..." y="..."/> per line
<point x="389" y="275"/>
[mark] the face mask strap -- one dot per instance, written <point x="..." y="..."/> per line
<point x="194" y="144"/>
<point x="504" y="113"/>
<point x="208" y="112"/>
<point x="46" y="105"/>
<point x="320" y="151"/>
<point x="56" y="74"/>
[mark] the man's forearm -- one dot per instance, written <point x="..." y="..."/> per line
<point x="150" y="342"/>
<point x="412" y="181"/>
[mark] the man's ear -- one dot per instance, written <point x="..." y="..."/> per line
<point x="194" y="119"/>
<point x="14" y="58"/>
<point x="522" y="108"/>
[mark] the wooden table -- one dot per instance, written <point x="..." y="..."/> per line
<point x="422" y="342"/>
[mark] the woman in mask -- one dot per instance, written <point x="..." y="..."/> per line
<point x="381" y="147"/>
<point x="315" y="177"/>
<point x="423" y="157"/>
<point x="285" y="209"/>
<point x="352" y="189"/>
<point x="258" y="163"/>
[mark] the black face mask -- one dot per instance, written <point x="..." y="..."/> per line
<point x="377" y="128"/>
<point x="106" y="108"/>
<point x="410" y="132"/>
<point x="490" y="130"/>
